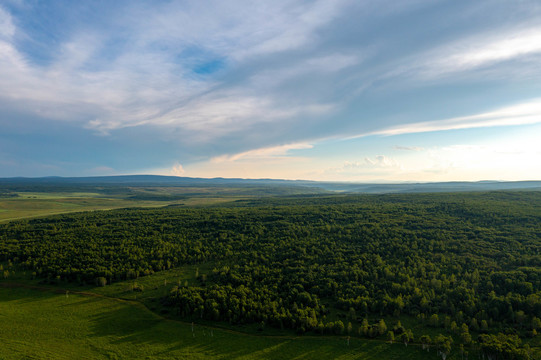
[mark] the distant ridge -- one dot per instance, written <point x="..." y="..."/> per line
<point x="451" y="186"/>
<point x="146" y="180"/>
<point x="342" y="187"/>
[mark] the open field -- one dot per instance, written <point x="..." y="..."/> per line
<point x="45" y="324"/>
<point x="39" y="201"/>
<point x="67" y="321"/>
<point x="32" y="205"/>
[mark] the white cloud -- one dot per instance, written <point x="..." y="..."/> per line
<point x="474" y="53"/>
<point x="291" y="26"/>
<point x="151" y="80"/>
<point x="313" y="66"/>
<point x="369" y="166"/>
<point x="487" y="49"/>
<point x="7" y="29"/>
<point x="282" y="66"/>
<point x="521" y="114"/>
<point x="519" y="158"/>
<point x="177" y="170"/>
<point x="408" y="148"/>
<point x="211" y="116"/>
<point x="263" y="153"/>
<point x="380" y="161"/>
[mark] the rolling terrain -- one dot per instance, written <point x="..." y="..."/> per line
<point x="269" y="271"/>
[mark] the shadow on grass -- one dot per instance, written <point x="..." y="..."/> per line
<point x="10" y="293"/>
<point x="120" y="329"/>
<point x="128" y="327"/>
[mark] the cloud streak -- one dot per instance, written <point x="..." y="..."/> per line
<point x="488" y="53"/>
<point x="521" y="114"/>
<point x="408" y="148"/>
<point x="486" y="50"/>
<point x="274" y="152"/>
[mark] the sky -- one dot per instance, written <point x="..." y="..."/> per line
<point x="332" y="90"/>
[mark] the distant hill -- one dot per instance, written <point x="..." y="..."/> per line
<point x="457" y="186"/>
<point x="148" y="180"/>
<point x="22" y="183"/>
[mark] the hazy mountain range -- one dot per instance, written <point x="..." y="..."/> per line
<point x="306" y="186"/>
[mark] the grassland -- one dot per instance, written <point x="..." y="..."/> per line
<point x="40" y="201"/>
<point x="46" y="324"/>
<point x="68" y="321"/>
<point x="36" y="205"/>
<point x="39" y="204"/>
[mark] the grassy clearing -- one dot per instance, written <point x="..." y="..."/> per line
<point x="115" y="322"/>
<point x="31" y="205"/>
<point x="39" y="201"/>
<point x="38" y="324"/>
<point x="56" y="195"/>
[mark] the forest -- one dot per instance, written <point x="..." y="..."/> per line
<point x="466" y="266"/>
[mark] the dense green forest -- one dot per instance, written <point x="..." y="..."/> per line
<point x="466" y="266"/>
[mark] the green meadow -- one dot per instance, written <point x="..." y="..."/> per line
<point x="41" y="204"/>
<point x="30" y="207"/>
<point x="38" y="324"/>
<point x="47" y="201"/>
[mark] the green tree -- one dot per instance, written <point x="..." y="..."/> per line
<point x="443" y="344"/>
<point x="339" y="327"/>
<point x="465" y="334"/>
<point x="425" y="342"/>
<point x="407" y="337"/>
<point x="363" y="330"/>
<point x="101" y="281"/>
<point x="390" y="336"/>
<point x="434" y="320"/>
<point x="484" y="326"/>
<point x="352" y="315"/>
<point x="382" y="327"/>
<point x="474" y="325"/>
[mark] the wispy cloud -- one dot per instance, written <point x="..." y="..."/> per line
<point x="379" y="161"/>
<point x="263" y="153"/>
<point x="474" y="53"/>
<point x="211" y="116"/>
<point x="153" y="80"/>
<point x="7" y="29"/>
<point x="177" y="170"/>
<point x="486" y="50"/>
<point x="240" y="81"/>
<point x="521" y="114"/>
<point x="379" y="167"/>
<point x="293" y="26"/>
<point x="317" y="65"/>
<point x="408" y="148"/>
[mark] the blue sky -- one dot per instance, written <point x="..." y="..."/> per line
<point x="357" y="90"/>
